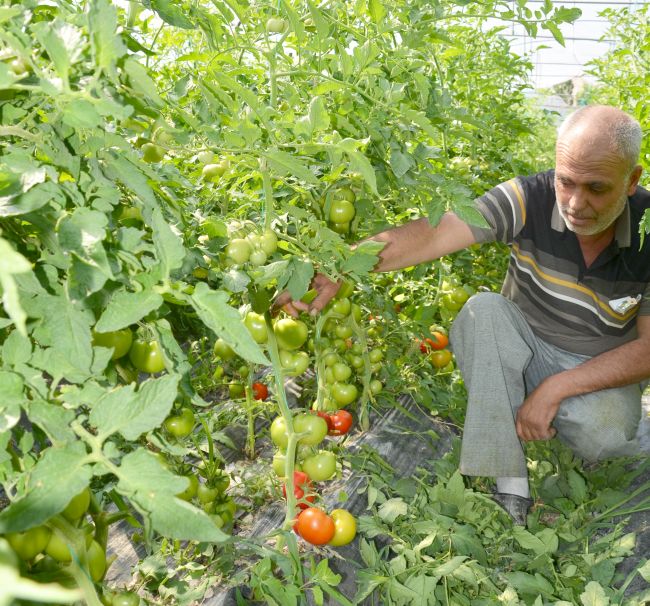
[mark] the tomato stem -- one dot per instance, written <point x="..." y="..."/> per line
<point x="250" y="405"/>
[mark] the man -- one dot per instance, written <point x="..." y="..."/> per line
<point x="565" y="349"/>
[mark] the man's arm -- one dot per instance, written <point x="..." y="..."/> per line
<point x="409" y="244"/>
<point x="624" y="365"/>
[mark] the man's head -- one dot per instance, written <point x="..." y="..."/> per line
<point x="596" y="167"/>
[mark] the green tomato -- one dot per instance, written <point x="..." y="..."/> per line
<point x="236" y="390"/>
<point x="356" y="312"/>
<point x="341" y="211"/>
<point x="126" y="598"/>
<point x="269" y="242"/>
<point x="96" y="561"/>
<point x="77" y="506"/>
<point x="223" y="350"/>
<point x="376" y="355"/>
<point x="276" y="25"/>
<point x="344" y="393"/>
<point x="376" y="387"/>
<point x="342" y="306"/>
<point x="57" y="548"/>
<point x="341" y="372"/>
<point x="180" y="426"/>
<point x="321" y="466"/>
<point x="147" y="356"/>
<point x="192" y="487"/>
<point x="279" y="463"/>
<point x="207" y="494"/>
<point x="118" y="340"/>
<point x="19" y="66"/>
<point x="294" y="363"/>
<point x="239" y="250"/>
<point x="279" y="433"/>
<point x="205" y="157"/>
<point x="340" y="228"/>
<point x="290" y="333"/>
<point x="313" y="426"/>
<point x="459" y="295"/>
<point x="213" y="172"/>
<point x="29" y="543"/>
<point x="258" y="257"/>
<point x="347" y="194"/>
<point x="356" y="361"/>
<point x="345" y="290"/>
<point x="152" y="152"/>
<point x="330" y="358"/>
<point x="343" y="331"/>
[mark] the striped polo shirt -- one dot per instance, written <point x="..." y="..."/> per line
<point x="577" y="308"/>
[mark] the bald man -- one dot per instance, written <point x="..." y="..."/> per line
<point x="564" y="350"/>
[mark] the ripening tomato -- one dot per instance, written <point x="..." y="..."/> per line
<point x="326" y="417"/>
<point x="301" y="489"/>
<point x="147" y="356"/>
<point x="345" y="528"/>
<point x="341" y="422"/>
<point x="260" y="391"/>
<point x="440" y="340"/>
<point x="315" y="526"/>
<point x="118" y="340"/>
<point x="440" y="358"/>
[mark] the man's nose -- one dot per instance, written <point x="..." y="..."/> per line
<point x="578" y="199"/>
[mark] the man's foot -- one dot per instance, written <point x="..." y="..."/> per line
<point x="516" y="506"/>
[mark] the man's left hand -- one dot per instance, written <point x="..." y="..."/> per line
<point x="535" y="416"/>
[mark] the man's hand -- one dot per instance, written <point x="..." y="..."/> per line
<point x="536" y="414"/>
<point x="326" y="290"/>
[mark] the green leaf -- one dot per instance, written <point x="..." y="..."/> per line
<point x="376" y="10"/>
<point x="169" y="244"/>
<point x="594" y="595"/>
<point x="53" y="419"/>
<point x="226" y="322"/>
<point x="134" y="413"/>
<point x="11" y="397"/>
<point x="126" y="308"/>
<point x="578" y="486"/>
<point x="59" y="475"/>
<point x="555" y="30"/>
<point x="63" y="43"/>
<point x="322" y="26"/>
<point x="526" y="583"/>
<point x="142" y="82"/>
<point x="17" y="349"/>
<point x="300" y="276"/>
<point x="363" y="259"/>
<point x="80" y="114"/>
<point x="102" y="26"/>
<point x="528" y="540"/>
<point x="171" y="13"/>
<point x="392" y="509"/>
<point x="151" y="488"/>
<point x="12" y="263"/>
<point x="644" y="570"/>
<point x="285" y="164"/>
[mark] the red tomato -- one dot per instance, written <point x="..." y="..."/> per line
<point x="315" y="526"/>
<point x="301" y="487"/>
<point x="328" y="419"/>
<point x="260" y="391"/>
<point x="341" y="422"/>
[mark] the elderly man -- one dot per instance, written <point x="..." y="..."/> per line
<point x="564" y="350"/>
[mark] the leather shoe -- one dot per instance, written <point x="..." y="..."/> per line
<point x="515" y="505"/>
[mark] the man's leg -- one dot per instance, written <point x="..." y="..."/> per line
<point x="493" y="346"/>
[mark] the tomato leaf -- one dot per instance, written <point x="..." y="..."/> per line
<point x="134" y="413"/>
<point x="59" y="475"/>
<point x="594" y="595"/>
<point x="53" y="419"/>
<point x="376" y="10"/>
<point x="151" y="488"/>
<point x="169" y="245"/>
<point x="11" y="263"/>
<point x="126" y="308"/>
<point x="11" y="397"/>
<point x="392" y="509"/>
<point x="286" y="164"/>
<point x="225" y="321"/>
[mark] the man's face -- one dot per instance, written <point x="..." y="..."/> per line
<point x="592" y="183"/>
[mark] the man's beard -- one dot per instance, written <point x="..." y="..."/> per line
<point x="601" y="223"/>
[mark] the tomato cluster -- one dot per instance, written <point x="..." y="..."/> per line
<point x="47" y="546"/>
<point x="318" y="528"/>
<point x="340" y="209"/>
<point x="144" y="353"/>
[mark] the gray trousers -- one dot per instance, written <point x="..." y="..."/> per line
<point x="502" y="361"/>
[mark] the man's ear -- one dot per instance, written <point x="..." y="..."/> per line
<point x="635" y="175"/>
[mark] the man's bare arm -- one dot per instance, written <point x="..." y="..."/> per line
<point x="624" y="365"/>
<point x="409" y="244"/>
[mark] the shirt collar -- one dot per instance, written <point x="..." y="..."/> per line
<point x="622" y="235"/>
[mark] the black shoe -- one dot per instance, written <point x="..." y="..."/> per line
<point x="515" y="505"/>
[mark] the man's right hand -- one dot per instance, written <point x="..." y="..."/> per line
<point x="325" y="288"/>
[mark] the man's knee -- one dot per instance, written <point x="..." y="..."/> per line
<point x="480" y="306"/>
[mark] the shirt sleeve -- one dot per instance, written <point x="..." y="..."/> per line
<point x="504" y="208"/>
